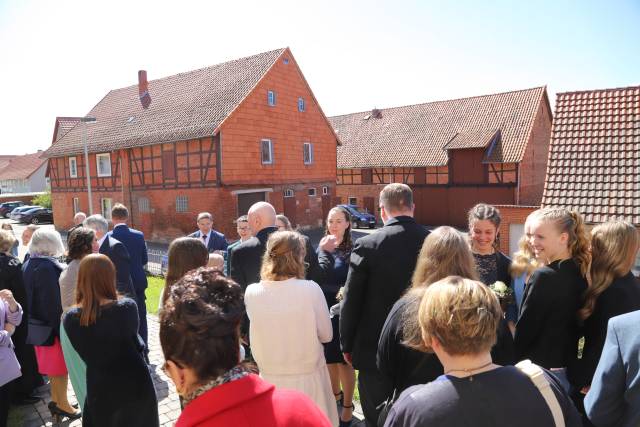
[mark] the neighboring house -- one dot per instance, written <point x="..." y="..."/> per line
<point x="594" y="157"/>
<point x="24" y="174"/>
<point x="216" y="139"/>
<point x="453" y="153"/>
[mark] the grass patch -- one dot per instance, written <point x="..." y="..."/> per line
<point x="153" y="293"/>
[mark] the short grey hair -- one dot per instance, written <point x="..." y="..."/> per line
<point x="97" y="223"/>
<point x="203" y="215"/>
<point x="46" y="242"/>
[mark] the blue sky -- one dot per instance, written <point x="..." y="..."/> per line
<point x="59" y="58"/>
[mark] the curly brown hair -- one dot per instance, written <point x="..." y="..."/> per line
<point x="200" y="323"/>
<point x="80" y="243"/>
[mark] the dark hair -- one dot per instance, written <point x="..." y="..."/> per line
<point x="482" y="212"/>
<point x="200" y="323"/>
<point x="185" y="254"/>
<point x="396" y="197"/>
<point x="119" y="211"/>
<point x="347" y="243"/>
<point x="96" y="282"/>
<point x="80" y="243"/>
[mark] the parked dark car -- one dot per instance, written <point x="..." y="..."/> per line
<point x="360" y="219"/>
<point x="37" y="216"/>
<point x="7" y="207"/>
<point x="16" y="214"/>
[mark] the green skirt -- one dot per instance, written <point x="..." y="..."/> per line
<point x="76" y="367"/>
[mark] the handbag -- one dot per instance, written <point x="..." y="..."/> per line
<point x="385" y="407"/>
<point x="39" y="333"/>
<point x="536" y="374"/>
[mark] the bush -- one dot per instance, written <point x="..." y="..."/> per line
<point x="43" y="200"/>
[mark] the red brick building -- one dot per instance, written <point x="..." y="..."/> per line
<point x="594" y="156"/>
<point x="215" y="139"/>
<point x="453" y="153"/>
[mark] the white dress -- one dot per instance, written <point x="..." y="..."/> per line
<point x="289" y="322"/>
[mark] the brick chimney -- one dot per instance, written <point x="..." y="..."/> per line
<point x="143" y="89"/>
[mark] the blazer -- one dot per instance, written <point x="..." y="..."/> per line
<point x="614" y="397"/>
<point x="41" y="277"/>
<point x="380" y="270"/>
<point x="622" y="296"/>
<point x="252" y="402"/>
<point x="118" y="254"/>
<point x="133" y="240"/>
<point x="217" y="241"/>
<point x="547" y="331"/>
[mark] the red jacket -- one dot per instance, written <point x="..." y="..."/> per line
<point x="252" y="402"/>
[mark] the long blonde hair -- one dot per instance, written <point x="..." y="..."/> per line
<point x="284" y="257"/>
<point x="445" y="252"/>
<point x="614" y="246"/>
<point x="570" y="222"/>
<point x="524" y="261"/>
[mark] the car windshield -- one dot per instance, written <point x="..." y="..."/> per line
<point x="357" y="209"/>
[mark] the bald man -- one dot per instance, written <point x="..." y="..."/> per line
<point x="78" y="219"/>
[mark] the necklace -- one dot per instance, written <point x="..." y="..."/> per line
<point x="469" y="372"/>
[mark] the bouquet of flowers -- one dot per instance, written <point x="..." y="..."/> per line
<point x="503" y="292"/>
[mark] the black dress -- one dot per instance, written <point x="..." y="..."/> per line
<point x="11" y="279"/>
<point x="120" y="391"/>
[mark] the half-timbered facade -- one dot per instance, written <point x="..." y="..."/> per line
<point x="453" y="153"/>
<point x="216" y="139"/>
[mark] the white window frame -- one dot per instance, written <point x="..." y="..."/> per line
<point x="105" y="206"/>
<point x="289" y="193"/>
<point x="179" y="207"/>
<point x="73" y="172"/>
<point x="76" y="205"/>
<point x="307" y="146"/>
<point x="271" y="98"/>
<point x="98" y="157"/>
<point x="325" y="190"/>
<point x="302" y="107"/>
<point x="270" y="161"/>
<point x="312" y="192"/>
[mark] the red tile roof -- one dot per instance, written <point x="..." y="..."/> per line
<point x="63" y="126"/>
<point x="594" y="156"/>
<point x="416" y="135"/>
<point x="472" y="139"/>
<point x="21" y="167"/>
<point x="5" y="160"/>
<point x="184" y="106"/>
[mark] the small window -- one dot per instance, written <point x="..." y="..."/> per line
<point x="353" y="200"/>
<point x="289" y="193"/>
<point x="312" y="192"/>
<point x="76" y="205"/>
<point x="103" y="163"/>
<point x="105" y="207"/>
<point x="143" y="205"/>
<point x="307" y="153"/>
<point x="271" y="98"/>
<point x="267" y="151"/>
<point x="301" y="106"/>
<point x="325" y="191"/>
<point x="73" y="167"/>
<point x="182" y="204"/>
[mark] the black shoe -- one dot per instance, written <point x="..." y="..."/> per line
<point x="57" y="414"/>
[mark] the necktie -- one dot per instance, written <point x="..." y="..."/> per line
<point x="204" y="237"/>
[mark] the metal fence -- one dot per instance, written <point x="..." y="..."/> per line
<point x="157" y="264"/>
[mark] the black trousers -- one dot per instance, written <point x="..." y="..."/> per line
<point x="142" y="315"/>
<point x="374" y="389"/>
<point x="5" y="402"/>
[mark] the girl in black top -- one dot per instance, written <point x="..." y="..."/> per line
<point x="547" y="331"/>
<point x="614" y="291"/>
<point x="492" y="266"/>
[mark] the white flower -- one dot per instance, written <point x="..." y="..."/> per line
<point x="500" y="287"/>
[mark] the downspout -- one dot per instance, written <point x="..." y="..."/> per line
<point x="218" y="158"/>
<point x="518" y="186"/>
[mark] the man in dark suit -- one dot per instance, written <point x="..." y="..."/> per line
<point x="134" y="241"/>
<point x="78" y="219"/>
<point x="380" y="270"/>
<point x="115" y="250"/>
<point x="614" y="397"/>
<point x="213" y="240"/>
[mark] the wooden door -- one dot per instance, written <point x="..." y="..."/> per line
<point x="290" y="209"/>
<point x="326" y="207"/>
<point x="245" y="200"/>
<point x="369" y="205"/>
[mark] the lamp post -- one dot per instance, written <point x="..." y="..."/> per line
<point x="87" y="120"/>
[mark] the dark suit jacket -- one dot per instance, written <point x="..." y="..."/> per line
<point x="118" y="254"/>
<point x="547" y="331"/>
<point x="217" y="241"/>
<point x="380" y="270"/>
<point x="622" y="296"/>
<point x="41" y="277"/>
<point x="614" y="397"/>
<point x="245" y="260"/>
<point x="133" y="240"/>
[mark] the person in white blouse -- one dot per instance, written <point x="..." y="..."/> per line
<point x="289" y="321"/>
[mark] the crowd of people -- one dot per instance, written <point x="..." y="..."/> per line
<point x="435" y="328"/>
